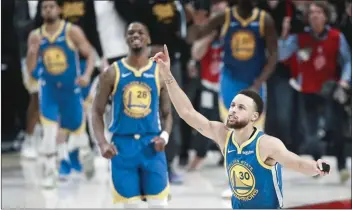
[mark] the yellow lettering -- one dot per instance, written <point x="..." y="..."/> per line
<point x="73" y="9"/>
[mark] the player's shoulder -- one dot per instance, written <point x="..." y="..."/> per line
<point x="268" y="140"/>
<point x="34" y="34"/>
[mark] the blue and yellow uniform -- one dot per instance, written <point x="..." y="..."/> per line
<point x="138" y="171"/>
<point x="87" y="98"/>
<point x="244" y="55"/>
<point x="60" y="98"/>
<point x="254" y="184"/>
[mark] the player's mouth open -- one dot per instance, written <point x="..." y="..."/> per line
<point x="136" y="41"/>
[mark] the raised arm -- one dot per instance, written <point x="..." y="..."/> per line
<point x="211" y="129"/>
<point x="33" y="50"/>
<point x="272" y="148"/>
<point x="83" y="46"/>
<point x="198" y="31"/>
<point x="201" y="46"/>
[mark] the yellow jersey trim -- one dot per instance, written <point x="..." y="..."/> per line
<point x="240" y="148"/>
<point x="68" y="39"/>
<point x="117" y="77"/>
<point x="245" y="22"/>
<point x="137" y="72"/>
<point x="226" y="25"/>
<point x="52" y="38"/>
<point x="257" y="154"/>
<point x="262" y="23"/>
<point x="224" y="152"/>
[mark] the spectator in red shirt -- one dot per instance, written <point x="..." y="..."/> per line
<point x="319" y="52"/>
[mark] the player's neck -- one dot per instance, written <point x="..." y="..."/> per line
<point x="138" y="61"/>
<point x="245" y="11"/>
<point x="52" y="27"/>
<point x="243" y="134"/>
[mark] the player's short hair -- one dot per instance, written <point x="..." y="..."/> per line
<point x="136" y="22"/>
<point x="256" y="98"/>
<point x="60" y="3"/>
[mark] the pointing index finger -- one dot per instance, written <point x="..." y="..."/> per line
<point x="166" y="52"/>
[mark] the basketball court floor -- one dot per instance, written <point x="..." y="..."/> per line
<point x="202" y="189"/>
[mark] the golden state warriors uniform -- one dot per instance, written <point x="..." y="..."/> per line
<point x="138" y="170"/>
<point x="85" y="90"/>
<point x="60" y="98"/>
<point x="254" y="184"/>
<point x="244" y="54"/>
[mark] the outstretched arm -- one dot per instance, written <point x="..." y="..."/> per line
<point x="211" y="129"/>
<point x="273" y="148"/>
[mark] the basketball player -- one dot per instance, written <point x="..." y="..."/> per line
<point x="253" y="159"/>
<point x="72" y="163"/>
<point x="57" y="43"/>
<point x="140" y="125"/>
<point x="248" y="33"/>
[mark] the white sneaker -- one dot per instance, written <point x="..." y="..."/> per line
<point x="227" y="194"/>
<point x="29" y="150"/>
<point x="49" y="178"/>
<point x="86" y="157"/>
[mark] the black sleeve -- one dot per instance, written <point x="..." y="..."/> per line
<point x="90" y="27"/>
<point x="38" y="20"/>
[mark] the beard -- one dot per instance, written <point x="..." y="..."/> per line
<point x="50" y="20"/>
<point x="238" y="124"/>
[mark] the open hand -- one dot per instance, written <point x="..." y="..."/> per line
<point x="159" y="143"/>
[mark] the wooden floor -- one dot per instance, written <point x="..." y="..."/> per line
<point x="202" y="189"/>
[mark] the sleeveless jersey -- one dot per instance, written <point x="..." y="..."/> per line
<point x="135" y="100"/>
<point x="254" y="184"/>
<point x="59" y="58"/>
<point x="244" y="45"/>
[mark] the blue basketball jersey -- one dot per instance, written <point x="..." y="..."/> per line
<point x="59" y="58"/>
<point x="244" y="49"/>
<point x="135" y="100"/>
<point x="254" y="184"/>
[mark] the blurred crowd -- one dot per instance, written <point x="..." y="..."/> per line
<point x="310" y="111"/>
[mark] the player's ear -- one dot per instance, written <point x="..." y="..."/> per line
<point x="149" y="41"/>
<point x="255" y="116"/>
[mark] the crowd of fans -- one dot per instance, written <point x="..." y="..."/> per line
<point x="309" y="118"/>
